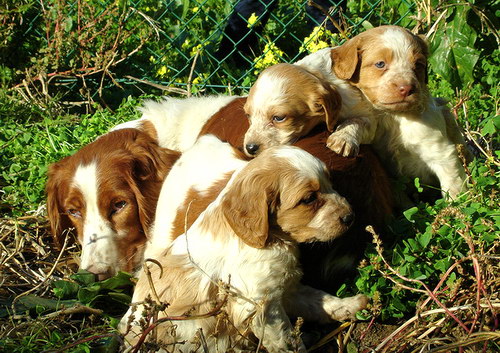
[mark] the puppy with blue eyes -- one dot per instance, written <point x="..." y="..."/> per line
<point x="381" y="79"/>
<point x="285" y="103"/>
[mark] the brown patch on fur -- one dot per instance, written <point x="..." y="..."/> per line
<point x="149" y="129"/>
<point x="229" y="124"/>
<point x="194" y="204"/>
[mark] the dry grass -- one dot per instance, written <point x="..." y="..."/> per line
<point x="29" y="263"/>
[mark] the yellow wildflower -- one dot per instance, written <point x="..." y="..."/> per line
<point x="195" y="9"/>
<point x="318" y="39"/>
<point x="162" y="71"/>
<point x="272" y="55"/>
<point x="194" y="50"/>
<point x="252" y="20"/>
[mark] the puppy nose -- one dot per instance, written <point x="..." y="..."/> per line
<point x="252" y="148"/>
<point x="406" y="90"/>
<point x="348" y="219"/>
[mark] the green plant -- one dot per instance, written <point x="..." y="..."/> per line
<point x="31" y="139"/>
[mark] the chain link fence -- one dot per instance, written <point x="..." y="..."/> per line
<point x="80" y="49"/>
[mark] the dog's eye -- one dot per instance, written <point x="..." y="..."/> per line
<point x="380" y="64"/>
<point x="279" y="119"/>
<point x="309" y="199"/>
<point x="248" y="116"/>
<point x="118" y="206"/>
<point x="74" y="213"/>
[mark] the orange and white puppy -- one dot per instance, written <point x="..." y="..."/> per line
<point x="381" y="77"/>
<point x="285" y="103"/>
<point x="247" y="238"/>
<point x="107" y="191"/>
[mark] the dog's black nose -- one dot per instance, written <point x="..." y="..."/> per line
<point x="252" y="148"/>
<point x="348" y="219"/>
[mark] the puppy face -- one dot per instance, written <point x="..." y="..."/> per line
<point x="285" y="193"/>
<point x="388" y="64"/>
<point x="106" y="192"/>
<point x="285" y="103"/>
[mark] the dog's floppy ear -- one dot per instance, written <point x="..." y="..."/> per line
<point x="345" y="58"/>
<point x="330" y="102"/>
<point x="56" y="188"/>
<point x="245" y="207"/>
<point x="149" y="166"/>
<point x="422" y="43"/>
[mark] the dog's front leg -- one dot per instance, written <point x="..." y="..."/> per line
<point x="315" y="305"/>
<point x="351" y="133"/>
<point x="273" y="328"/>
<point x="451" y="176"/>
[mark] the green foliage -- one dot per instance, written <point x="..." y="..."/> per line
<point x="454" y="55"/>
<point x="31" y="139"/>
<point x="427" y="240"/>
<point x="111" y="295"/>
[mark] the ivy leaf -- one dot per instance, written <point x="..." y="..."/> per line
<point x="453" y="53"/>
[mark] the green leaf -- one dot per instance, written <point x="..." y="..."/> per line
<point x="87" y="294"/>
<point x="65" y="289"/>
<point x="491" y="126"/>
<point x="417" y="185"/>
<point x="83" y="277"/>
<point x="352" y="348"/>
<point x="424" y="239"/>
<point x="453" y="54"/>
<point x="121" y="298"/>
<point x="409" y="213"/>
<point x="121" y="279"/>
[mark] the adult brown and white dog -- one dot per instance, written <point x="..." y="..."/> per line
<point x="107" y="191"/>
<point x="248" y="238"/>
<point x="382" y="79"/>
<point x="383" y="73"/>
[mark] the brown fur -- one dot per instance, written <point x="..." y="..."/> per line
<point x="131" y="168"/>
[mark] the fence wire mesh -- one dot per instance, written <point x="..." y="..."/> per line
<point x="209" y="46"/>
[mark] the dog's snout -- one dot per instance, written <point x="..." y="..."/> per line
<point x="252" y="148"/>
<point x="406" y="89"/>
<point x="348" y="219"/>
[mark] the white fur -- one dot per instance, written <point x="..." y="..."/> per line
<point x="178" y="121"/>
<point x="199" y="167"/>
<point x="99" y="253"/>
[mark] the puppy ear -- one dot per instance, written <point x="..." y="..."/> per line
<point x="150" y="164"/>
<point x="331" y="103"/>
<point x="55" y="189"/>
<point x="422" y="43"/>
<point x="345" y="58"/>
<point x="245" y="207"/>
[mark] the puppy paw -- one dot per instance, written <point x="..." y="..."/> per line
<point x="346" y="308"/>
<point x="343" y="144"/>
